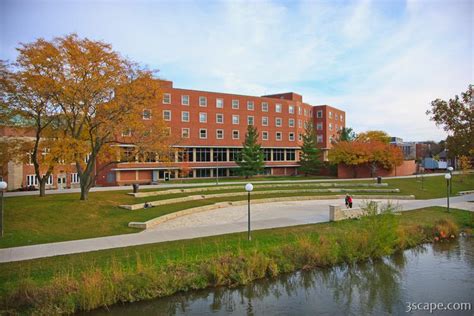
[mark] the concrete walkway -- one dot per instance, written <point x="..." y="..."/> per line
<point x="224" y="221"/>
<point x="171" y="185"/>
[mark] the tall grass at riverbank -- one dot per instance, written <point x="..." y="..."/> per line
<point x="106" y="278"/>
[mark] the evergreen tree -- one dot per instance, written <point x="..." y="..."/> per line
<point x="310" y="161"/>
<point x="250" y="159"/>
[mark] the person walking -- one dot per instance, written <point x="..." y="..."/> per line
<point x="350" y="201"/>
<point x="346" y="200"/>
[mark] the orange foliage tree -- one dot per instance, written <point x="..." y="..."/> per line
<point x="373" y="153"/>
<point x="98" y="101"/>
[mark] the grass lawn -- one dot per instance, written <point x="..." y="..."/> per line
<point x="32" y="220"/>
<point x="93" y="266"/>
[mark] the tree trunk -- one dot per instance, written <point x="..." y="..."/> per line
<point x="84" y="193"/>
<point x="42" y="188"/>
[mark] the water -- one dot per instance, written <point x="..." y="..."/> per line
<point x="439" y="273"/>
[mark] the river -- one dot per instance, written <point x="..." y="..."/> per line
<point x="432" y="273"/>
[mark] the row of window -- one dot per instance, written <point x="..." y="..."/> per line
<point x="319" y="114"/>
<point x="203" y="118"/>
<point x="185" y="100"/>
<point x="185" y="133"/>
<point x="32" y="179"/>
<point x="320" y="127"/>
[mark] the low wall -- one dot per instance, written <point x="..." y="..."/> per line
<point x="337" y="213"/>
<point x="407" y="168"/>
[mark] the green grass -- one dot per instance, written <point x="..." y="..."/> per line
<point x="32" y="220"/>
<point x="89" y="280"/>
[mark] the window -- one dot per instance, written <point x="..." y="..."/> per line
<point x="265" y="135"/>
<point x="166" y="98"/>
<point x="319" y="138"/>
<point x="330" y="114"/>
<point x="220" y="118"/>
<point x="278" y="154"/>
<point x="264" y="121"/>
<point x="203" y="133"/>
<point x="291" y="109"/>
<point x="235" y="134"/>
<point x="167" y="115"/>
<point x="75" y="178"/>
<point x="291" y="137"/>
<point x="319" y="114"/>
<point x="305" y="112"/>
<point x="250" y="120"/>
<point x="185" y="155"/>
<point x="146" y="114"/>
<point x="299" y="110"/>
<point x="342" y="117"/>
<point x="234" y="153"/>
<point x="300" y="137"/>
<point x="336" y="117"/>
<point x="310" y="113"/>
<point x="203" y="173"/>
<point x="319" y="126"/>
<point x="290" y="154"/>
<point x="126" y="132"/>
<point x="250" y="105"/>
<point x="264" y="107"/>
<point x="335" y="127"/>
<point x="31" y="180"/>
<point x="235" y="119"/>
<point x="202" y="101"/>
<point x="278" y="121"/>
<point x="219" y="133"/>
<point x="202" y="117"/>
<point x="185" y="132"/>
<point x="278" y="136"/>
<point x="219" y="103"/>
<point x="185" y="99"/>
<point x="300" y="123"/>
<point x="49" y="181"/>
<point x="330" y="126"/>
<point x="184" y="116"/>
<point x="219" y="154"/>
<point x="235" y="104"/>
<point x="203" y="154"/>
<point x="267" y="154"/>
<point x="278" y="108"/>
<point x="291" y="122"/>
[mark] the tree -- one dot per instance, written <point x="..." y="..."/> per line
<point x="26" y="95"/>
<point x="374" y="153"/>
<point x="456" y="116"/>
<point x="346" y="134"/>
<point x="250" y="160"/>
<point x="310" y="161"/>
<point x="373" y="136"/>
<point x="464" y="165"/>
<point x="98" y="100"/>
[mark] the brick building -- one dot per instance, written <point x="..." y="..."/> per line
<point x="212" y="127"/>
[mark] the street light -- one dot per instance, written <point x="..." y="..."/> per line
<point x="3" y="186"/>
<point x="249" y="188"/>
<point x="450" y="169"/>
<point x="447" y="176"/>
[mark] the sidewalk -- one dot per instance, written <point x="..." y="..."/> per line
<point x="307" y="215"/>
<point x="169" y="185"/>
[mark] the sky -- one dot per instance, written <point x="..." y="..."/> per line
<point x="382" y="61"/>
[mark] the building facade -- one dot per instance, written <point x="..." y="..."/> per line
<point x="212" y="127"/>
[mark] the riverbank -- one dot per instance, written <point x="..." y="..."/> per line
<point x="86" y="281"/>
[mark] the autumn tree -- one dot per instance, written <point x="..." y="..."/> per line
<point x="465" y="165"/>
<point x="310" y="161"/>
<point x="369" y="136"/>
<point x="99" y="100"/>
<point x="250" y="159"/>
<point x="456" y="116"/>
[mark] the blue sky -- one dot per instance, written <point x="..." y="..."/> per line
<point x="382" y="62"/>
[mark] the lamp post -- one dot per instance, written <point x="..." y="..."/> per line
<point x="249" y="188"/>
<point x="3" y="186"/>
<point x="447" y="176"/>
<point x="450" y="169"/>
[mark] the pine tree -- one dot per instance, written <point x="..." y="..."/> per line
<point x="310" y="161"/>
<point x="250" y="159"/>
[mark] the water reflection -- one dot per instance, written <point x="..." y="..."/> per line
<point x="379" y="287"/>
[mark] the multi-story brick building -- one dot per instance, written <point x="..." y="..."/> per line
<point x="212" y="127"/>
